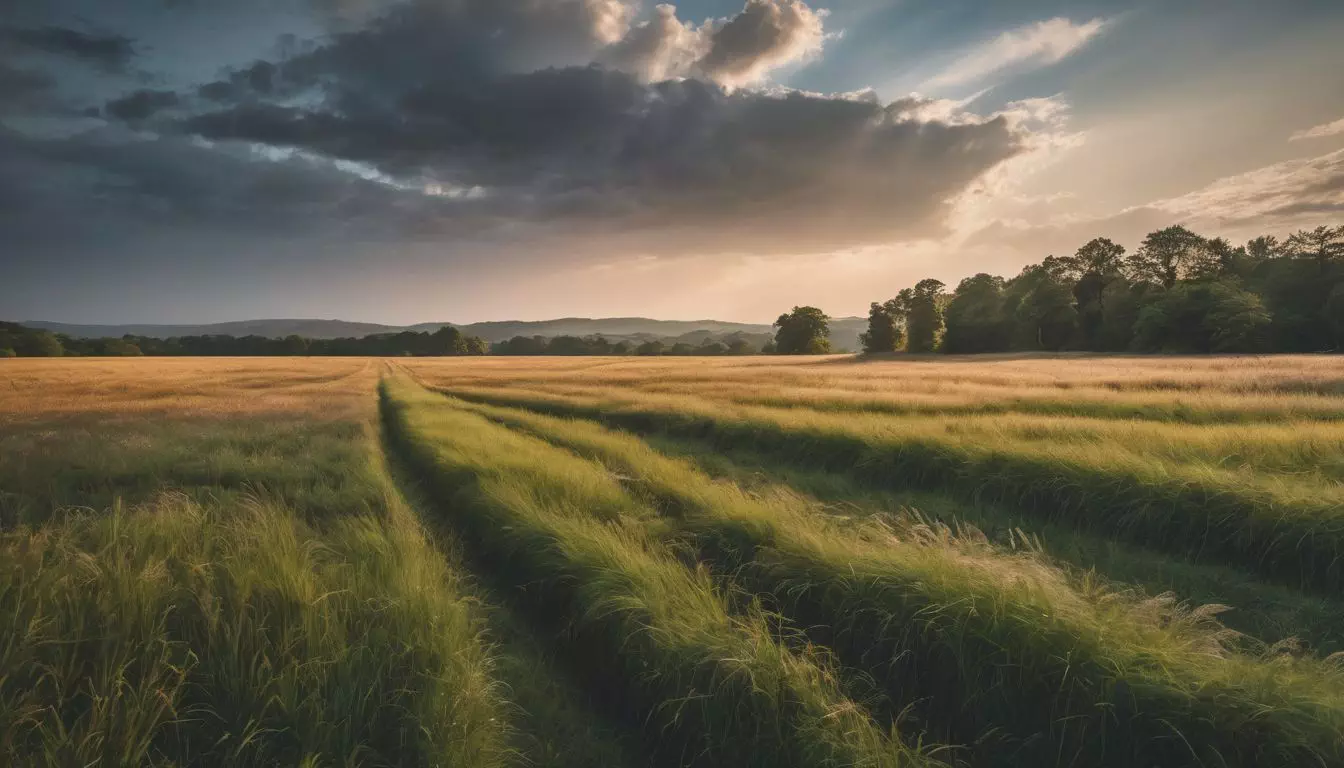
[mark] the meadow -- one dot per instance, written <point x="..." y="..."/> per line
<point x="757" y="561"/>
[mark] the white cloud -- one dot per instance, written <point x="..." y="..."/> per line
<point x="1320" y="132"/>
<point x="1289" y="192"/>
<point x="1038" y="45"/>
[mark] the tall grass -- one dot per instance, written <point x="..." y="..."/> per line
<point x="176" y="634"/>
<point x="259" y="594"/>
<point x="1266" y="614"/>
<point x="710" y="688"/>
<point x="1001" y="649"/>
<point x="1283" y="530"/>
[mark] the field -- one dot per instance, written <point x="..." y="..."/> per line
<point x="672" y="562"/>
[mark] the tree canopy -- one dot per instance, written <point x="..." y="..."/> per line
<point x="804" y="331"/>
<point x="1177" y="292"/>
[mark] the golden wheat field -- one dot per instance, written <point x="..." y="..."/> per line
<point x="755" y="561"/>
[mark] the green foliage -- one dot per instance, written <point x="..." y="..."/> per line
<point x="922" y="309"/>
<point x="1208" y="316"/>
<point x="1166" y="256"/>
<point x="804" y="331"/>
<point x="1178" y="292"/>
<point x="884" y="333"/>
<point x="975" y="317"/>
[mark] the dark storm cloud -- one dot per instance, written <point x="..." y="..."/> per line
<point x="175" y="180"/>
<point x="423" y="94"/>
<point x="22" y="85"/>
<point x="443" y="119"/>
<point x="111" y="53"/>
<point x="598" y="144"/>
<point x="140" y="104"/>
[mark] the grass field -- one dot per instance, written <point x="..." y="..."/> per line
<point x="672" y="562"/>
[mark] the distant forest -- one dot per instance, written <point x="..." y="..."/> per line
<point x="20" y="341"/>
<point x="1177" y="292"/>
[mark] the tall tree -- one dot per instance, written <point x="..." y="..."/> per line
<point x="884" y="331"/>
<point x="804" y="331"/>
<point x="1165" y="256"/>
<point x="974" y="317"/>
<point x="1099" y="256"/>
<point x="922" y="308"/>
<point x="1039" y="304"/>
<point x="1322" y="244"/>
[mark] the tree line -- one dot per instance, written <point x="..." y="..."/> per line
<point x="1177" y="292"/>
<point x="600" y="345"/>
<point x="20" y="341"/>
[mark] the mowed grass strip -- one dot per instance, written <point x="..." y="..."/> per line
<point x="710" y="688"/>
<point x="1290" y="532"/>
<point x="998" y="647"/>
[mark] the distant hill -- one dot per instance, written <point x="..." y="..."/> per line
<point x="273" y="329"/>
<point x="844" y="330"/>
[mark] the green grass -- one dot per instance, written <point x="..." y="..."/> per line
<point x="1266" y="614"/>
<point x="1286" y="530"/>
<point x="238" y="634"/>
<point x="711" y="687"/>
<point x="990" y="643"/>
<point x="781" y="563"/>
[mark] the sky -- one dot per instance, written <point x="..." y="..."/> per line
<point x="403" y="161"/>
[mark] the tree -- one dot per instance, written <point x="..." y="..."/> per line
<point x="739" y="346"/>
<point x="1217" y="258"/>
<point x="1203" y="316"/>
<point x="294" y="345"/>
<point x="1166" y="256"/>
<point x="1263" y="248"/>
<point x="1322" y="244"/>
<point x="120" y="348"/>
<point x="1099" y="256"/>
<point x="804" y="331"/>
<point x="922" y="309"/>
<point x="974" y="317"/>
<point x="650" y="348"/>
<point x="884" y="333"/>
<point x="1048" y="313"/>
<point x="39" y="344"/>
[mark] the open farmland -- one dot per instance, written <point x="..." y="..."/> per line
<point x="695" y="561"/>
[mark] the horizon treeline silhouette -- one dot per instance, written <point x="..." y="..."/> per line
<point x="1177" y="292"/>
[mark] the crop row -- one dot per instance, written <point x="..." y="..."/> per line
<point x="999" y="652"/>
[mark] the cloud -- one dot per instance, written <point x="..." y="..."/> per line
<point x="1275" y="199"/>
<point x="733" y="52"/>
<point x="660" y="48"/>
<point x="585" y="145"/>
<point x="1320" y="132"/>
<point x="1276" y="196"/>
<point x="550" y="127"/>
<point x="655" y="147"/>
<point x="140" y="104"/>
<point x="1034" y="45"/>
<point x="111" y="53"/>
<point x="767" y="34"/>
